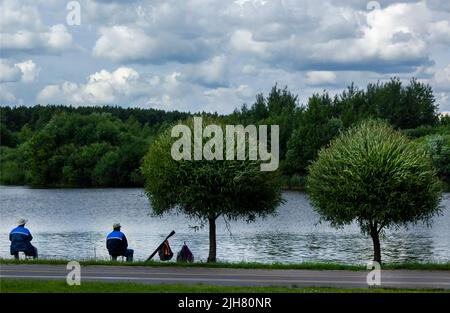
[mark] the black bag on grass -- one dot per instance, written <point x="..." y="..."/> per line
<point x="185" y="255"/>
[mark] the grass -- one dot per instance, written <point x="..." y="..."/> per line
<point x="245" y="265"/>
<point x="53" y="286"/>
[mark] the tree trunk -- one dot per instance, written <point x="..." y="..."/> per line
<point x="212" y="239"/>
<point x="376" y="244"/>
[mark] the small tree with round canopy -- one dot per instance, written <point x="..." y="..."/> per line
<point x="207" y="189"/>
<point x="374" y="175"/>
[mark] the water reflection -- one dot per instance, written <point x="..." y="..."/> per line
<point x="73" y="223"/>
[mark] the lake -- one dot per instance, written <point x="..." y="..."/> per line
<point x="73" y="224"/>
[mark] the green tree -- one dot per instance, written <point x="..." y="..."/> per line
<point x="105" y="172"/>
<point x="439" y="148"/>
<point x="375" y="176"/>
<point x="38" y="150"/>
<point x="81" y="163"/>
<point x="351" y="106"/>
<point x="317" y="128"/>
<point x="259" y="108"/>
<point x="208" y="189"/>
<point x="24" y="134"/>
<point x="86" y="150"/>
<point x="404" y="107"/>
<point x="7" y="138"/>
<point x="12" y="166"/>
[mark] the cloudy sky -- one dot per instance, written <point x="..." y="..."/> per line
<point x="215" y="55"/>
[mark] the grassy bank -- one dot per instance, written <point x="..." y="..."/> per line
<point x="51" y="286"/>
<point x="244" y="265"/>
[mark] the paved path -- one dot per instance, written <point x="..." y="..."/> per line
<point x="232" y="277"/>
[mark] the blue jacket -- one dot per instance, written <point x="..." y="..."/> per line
<point x="20" y="238"/>
<point x="116" y="243"/>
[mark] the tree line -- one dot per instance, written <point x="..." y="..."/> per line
<point x="64" y="146"/>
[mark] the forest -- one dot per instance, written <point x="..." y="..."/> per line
<point x="65" y="146"/>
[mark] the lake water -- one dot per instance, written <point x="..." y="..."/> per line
<point x="73" y="223"/>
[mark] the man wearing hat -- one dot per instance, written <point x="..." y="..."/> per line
<point x="117" y="244"/>
<point x="20" y="238"/>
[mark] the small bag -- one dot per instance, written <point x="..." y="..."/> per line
<point x="185" y="255"/>
<point x="165" y="253"/>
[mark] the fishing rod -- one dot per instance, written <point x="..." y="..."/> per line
<point x="160" y="246"/>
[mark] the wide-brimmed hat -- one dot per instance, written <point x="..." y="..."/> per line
<point x="116" y="225"/>
<point x="21" y="221"/>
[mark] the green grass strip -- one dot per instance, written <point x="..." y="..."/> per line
<point x="54" y="286"/>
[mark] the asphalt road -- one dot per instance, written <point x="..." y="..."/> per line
<point x="232" y="277"/>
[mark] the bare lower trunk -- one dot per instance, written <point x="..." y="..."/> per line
<point x="212" y="240"/>
<point x="376" y="245"/>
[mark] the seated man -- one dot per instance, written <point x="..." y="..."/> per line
<point x="20" y="238"/>
<point x="117" y="244"/>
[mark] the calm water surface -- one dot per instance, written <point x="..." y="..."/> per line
<point x="73" y="223"/>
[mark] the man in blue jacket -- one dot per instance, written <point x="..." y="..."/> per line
<point x="117" y="244"/>
<point x="20" y="238"/>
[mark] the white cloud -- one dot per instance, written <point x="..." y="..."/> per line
<point x="125" y="86"/>
<point x="57" y="38"/>
<point x="133" y="44"/>
<point x="441" y="79"/>
<point x="194" y="54"/>
<point x="25" y="71"/>
<point x="6" y="96"/>
<point x="439" y="32"/>
<point x="29" y="70"/>
<point x="315" y="78"/>
<point x="443" y="99"/>
<point x="17" y="16"/>
<point x="120" y="43"/>
<point x="395" y="38"/>
<point x="22" y="31"/>
<point x="222" y="99"/>
<point x="102" y="87"/>
<point x="294" y="35"/>
<point x="242" y="41"/>
<point x="8" y="72"/>
<point x="250" y="70"/>
<point x="440" y="82"/>
<point x="212" y="72"/>
<point x="243" y="91"/>
<point x="439" y="5"/>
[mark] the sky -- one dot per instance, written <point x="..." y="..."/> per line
<point x="199" y="55"/>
